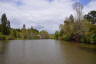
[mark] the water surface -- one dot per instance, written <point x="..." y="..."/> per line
<point x="44" y="52"/>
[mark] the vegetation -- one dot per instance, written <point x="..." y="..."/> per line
<point x="83" y="31"/>
<point x="44" y="35"/>
<point x="9" y="33"/>
<point x="80" y="28"/>
<point x="5" y="25"/>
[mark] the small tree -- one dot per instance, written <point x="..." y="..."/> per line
<point x="44" y="34"/>
<point x="71" y="18"/>
<point x="56" y="35"/>
<point x="24" y="26"/>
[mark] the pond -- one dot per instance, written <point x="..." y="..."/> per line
<point x="44" y="52"/>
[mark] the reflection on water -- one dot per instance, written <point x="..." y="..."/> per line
<point x="3" y="45"/>
<point x="44" y="52"/>
<point x="3" y="48"/>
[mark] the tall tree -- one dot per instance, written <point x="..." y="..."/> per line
<point x="5" y="25"/>
<point x="78" y="8"/>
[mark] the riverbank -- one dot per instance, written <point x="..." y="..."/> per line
<point x="91" y="46"/>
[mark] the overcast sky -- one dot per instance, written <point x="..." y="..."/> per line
<point x="41" y="14"/>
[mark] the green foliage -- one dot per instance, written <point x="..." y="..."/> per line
<point x="56" y="35"/>
<point x="66" y="37"/>
<point x="44" y="34"/>
<point x="8" y="33"/>
<point x="51" y="36"/>
<point x="83" y="31"/>
<point x="5" y="24"/>
<point x="91" y="17"/>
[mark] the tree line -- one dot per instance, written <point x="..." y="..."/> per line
<point x="83" y="30"/>
<point x="9" y="33"/>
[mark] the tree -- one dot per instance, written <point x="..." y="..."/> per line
<point x="44" y="34"/>
<point x="61" y="29"/>
<point x="5" y="25"/>
<point x="71" y="18"/>
<point x="56" y="35"/>
<point x="91" y="17"/>
<point x="78" y="8"/>
<point x="0" y="28"/>
<point x="24" y="26"/>
<point x="67" y="29"/>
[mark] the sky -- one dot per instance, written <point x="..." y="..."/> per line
<point x="41" y="14"/>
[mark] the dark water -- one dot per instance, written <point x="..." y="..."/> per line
<point x="44" y="52"/>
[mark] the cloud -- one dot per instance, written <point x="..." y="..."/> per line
<point x="91" y="6"/>
<point x="42" y="14"/>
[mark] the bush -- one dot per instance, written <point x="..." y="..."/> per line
<point x="93" y="38"/>
<point x="66" y="37"/>
<point x="3" y="37"/>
